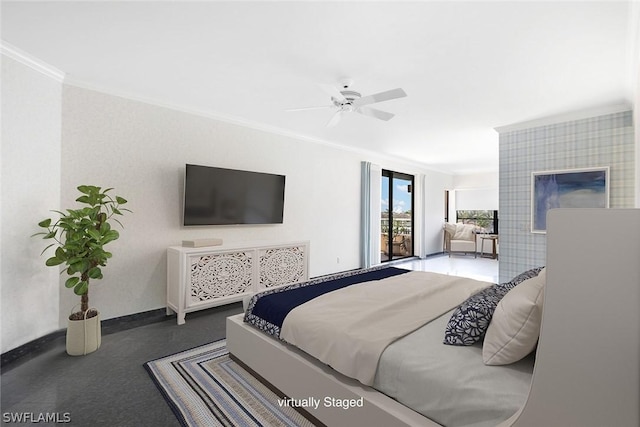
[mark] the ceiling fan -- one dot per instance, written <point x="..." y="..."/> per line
<point x="344" y="100"/>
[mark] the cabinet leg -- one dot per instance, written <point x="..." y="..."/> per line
<point x="181" y="318"/>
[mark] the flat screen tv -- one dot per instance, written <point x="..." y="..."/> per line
<point x="217" y="196"/>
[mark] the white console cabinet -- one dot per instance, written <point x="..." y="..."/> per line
<point x="199" y="278"/>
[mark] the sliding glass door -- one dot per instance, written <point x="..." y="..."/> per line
<point x="397" y="215"/>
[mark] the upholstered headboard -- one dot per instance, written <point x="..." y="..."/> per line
<point x="587" y="370"/>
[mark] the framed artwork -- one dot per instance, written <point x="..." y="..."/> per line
<point x="571" y="188"/>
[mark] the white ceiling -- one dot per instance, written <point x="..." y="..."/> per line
<point x="467" y="67"/>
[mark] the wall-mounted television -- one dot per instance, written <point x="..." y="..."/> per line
<point x="218" y="196"/>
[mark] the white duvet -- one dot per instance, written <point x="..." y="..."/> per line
<point x="450" y="384"/>
<point x="348" y="329"/>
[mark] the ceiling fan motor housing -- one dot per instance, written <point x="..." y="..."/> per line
<point x="349" y="96"/>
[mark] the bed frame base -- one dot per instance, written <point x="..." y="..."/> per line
<point x="299" y="376"/>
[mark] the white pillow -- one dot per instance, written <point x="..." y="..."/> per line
<point x="464" y="232"/>
<point x="515" y="325"/>
<point x="450" y="228"/>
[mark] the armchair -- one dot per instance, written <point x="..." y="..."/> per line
<point x="460" y="238"/>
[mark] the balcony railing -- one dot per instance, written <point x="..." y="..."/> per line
<point x="399" y="225"/>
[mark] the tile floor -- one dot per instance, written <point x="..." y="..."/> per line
<point x="485" y="269"/>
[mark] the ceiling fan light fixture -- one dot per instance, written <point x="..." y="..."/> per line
<point x="346" y="104"/>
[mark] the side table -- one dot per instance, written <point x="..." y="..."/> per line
<point x="494" y="240"/>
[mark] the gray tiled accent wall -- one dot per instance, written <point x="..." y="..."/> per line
<point x="606" y="140"/>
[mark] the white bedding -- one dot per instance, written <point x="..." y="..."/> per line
<point x="450" y="384"/>
<point x="351" y="341"/>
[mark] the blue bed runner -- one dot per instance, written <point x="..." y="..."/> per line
<point x="267" y="310"/>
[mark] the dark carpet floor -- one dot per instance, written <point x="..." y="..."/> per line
<point x="109" y="387"/>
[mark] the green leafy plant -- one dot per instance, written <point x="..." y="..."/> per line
<point x="80" y="236"/>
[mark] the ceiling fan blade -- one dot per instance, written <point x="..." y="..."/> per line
<point x="335" y="119"/>
<point x="379" y="97"/>
<point x="310" y="108"/>
<point x="378" y="114"/>
<point x="333" y="91"/>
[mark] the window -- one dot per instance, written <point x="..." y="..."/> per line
<point x="397" y="215"/>
<point x="486" y="220"/>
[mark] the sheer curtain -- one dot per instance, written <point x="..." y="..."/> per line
<point x="370" y="214"/>
<point x="419" y="215"/>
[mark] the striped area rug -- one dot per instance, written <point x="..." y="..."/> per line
<point x="204" y="387"/>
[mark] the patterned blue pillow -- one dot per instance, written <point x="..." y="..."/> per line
<point x="523" y="276"/>
<point x="470" y="320"/>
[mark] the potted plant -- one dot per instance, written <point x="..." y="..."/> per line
<point x="80" y="236"/>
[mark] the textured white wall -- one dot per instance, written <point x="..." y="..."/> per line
<point x="141" y="149"/>
<point x="435" y="185"/>
<point x="30" y="177"/>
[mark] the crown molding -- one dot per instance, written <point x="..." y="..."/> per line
<point x="31" y="61"/>
<point x="40" y="66"/>
<point x="567" y="117"/>
<point x="239" y="121"/>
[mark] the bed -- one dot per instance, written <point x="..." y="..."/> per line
<point x="585" y="371"/>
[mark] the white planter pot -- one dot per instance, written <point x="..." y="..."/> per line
<point x="83" y="336"/>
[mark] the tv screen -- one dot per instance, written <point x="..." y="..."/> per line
<point x="217" y="196"/>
